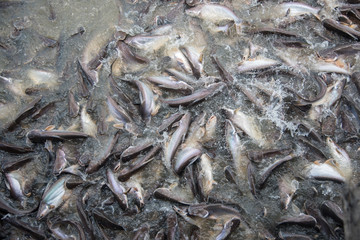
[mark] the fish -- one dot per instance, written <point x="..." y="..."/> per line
<point x="88" y="125"/>
<point x="205" y="175"/>
<point x="267" y="171"/>
<point x="293" y="9"/>
<point x="17" y="184"/>
<point x="11" y="148"/>
<point x="122" y="116"/>
<point x="39" y="136"/>
<point x="148" y="43"/>
<point x="336" y="26"/>
<point x="257" y="63"/>
<point x="27" y="111"/>
<point x="105" y="221"/>
<point x="24" y="226"/>
<point x="175" y="140"/>
<point x="340" y="158"/>
<point x="55" y="195"/>
<point x="197" y="96"/>
<point x="248" y="124"/>
<point x="171" y="83"/>
<point x="73" y="105"/>
<point x="216" y="14"/>
<point x="333" y="93"/>
<point x="126" y="173"/>
<point x="117" y="189"/>
<point x="195" y="59"/>
<point x="147" y="100"/>
<point x="287" y="189"/>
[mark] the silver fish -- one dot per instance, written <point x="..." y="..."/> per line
<point x="53" y="197"/>
<point x="147" y="100"/>
<point x="117" y="189"/>
<point x="175" y="140"/>
<point x="256" y="64"/>
<point x="170" y="83"/>
<point x="197" y="96"/>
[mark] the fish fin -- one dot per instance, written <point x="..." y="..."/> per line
<point x="49" y="128"/>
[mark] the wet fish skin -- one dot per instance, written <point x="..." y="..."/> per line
<point x="168" y="195"/>
<point x="324" y="171"/>
<point x="39" y="136"/>
<point x="6" y="208"/>
<point x="17" y="186"/>
<point x="325" y="228"/>
<point x="147" y="100"/>
<point x="96" y="164"/>
<point x="297" y="8"/>
<point x="53" y="197"/>
<point x="343" y="161"/>
<point x="126" y="173"/>
<point x="205" y="176"/>
<point x="277" y="163"/>
<point x="73" y="105"/>
<point x="132" y="151"/>
<point x="105" y="221"/>
<point x="246" y="123"/>
<point x="287" y="189"/>
<point x="256" y="64"/>
<point x="118" y="190"/>
<point x="340" y="28"/>
<point x="225" y="75"/>
<point x="333" y="210"/>
<point x="58" y="233"/>
<point x="12" y="165"/>
<point x="86" y="225"/>
<point x="172" y="145"/>
<point x="130" y="56"/>
<point x="195" y="61"/>
<point x="28" y="110"/>
<point x="143" y="233"/>
<point x="172" y="226"/>
<point x="186" y="157"/>
<point x="33" y="231"/>
<point x="196" y="96"/>
<point x="291" y="236"/>
<point x="60" y="161"/>
<point x="214" y="13"/>
<point x="11" y="148"/>
<point x="302" y="219"/>
<point x="171" y="83"/>
<point x="148" y="43"/>
<point x="169" y="121"/>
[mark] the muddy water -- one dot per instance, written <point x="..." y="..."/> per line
<point x="42" y="43"/>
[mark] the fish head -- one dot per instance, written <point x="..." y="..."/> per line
<point x="44" y="210"/>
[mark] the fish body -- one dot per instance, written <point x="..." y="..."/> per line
<point x="53" y="197"/>
<point x="147" y="100"/>
<point x="213" y="13"/>
<point x="175" y="140"/>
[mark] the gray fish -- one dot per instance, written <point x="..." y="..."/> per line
<point x="117" y="189"/>
<point x="147" y="101"/>
<point x="11" y="148"/>
<point x="175" y="140"/>
<point x="170" y="82"/>
<point x="53" y="197"/>
<point x="74" y="107"/>
<point x="341" y="28"/>
<point x="60" y="161"/>
<point x="197" y="96"/>
<point x="38" y="136"/>
<point x="122" y="116"/>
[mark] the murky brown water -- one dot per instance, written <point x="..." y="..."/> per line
<point x="41" y="46"/>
